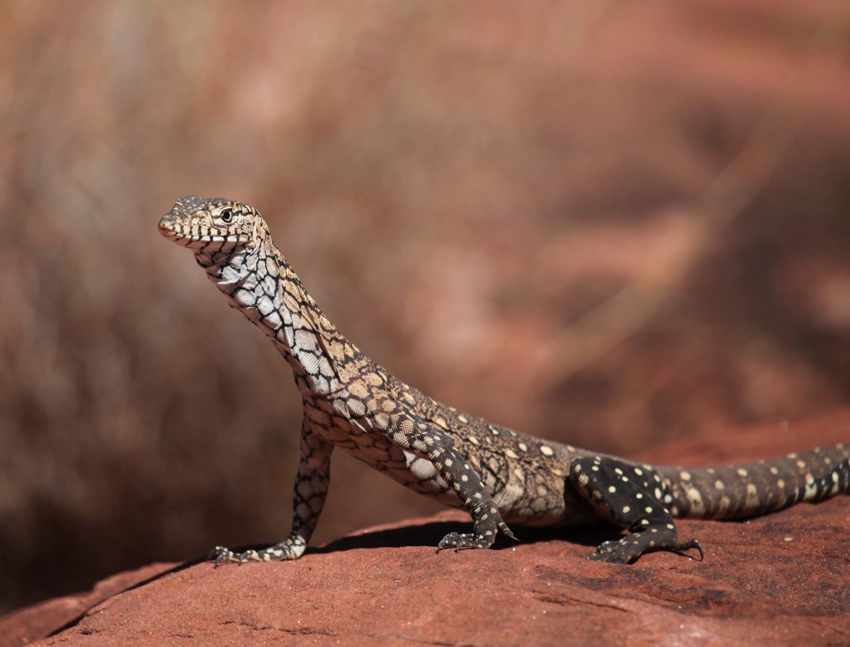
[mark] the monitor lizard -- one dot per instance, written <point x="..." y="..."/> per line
<point x="496" y="474"/>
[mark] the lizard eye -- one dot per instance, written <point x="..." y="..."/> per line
<point x="226" y="215"/>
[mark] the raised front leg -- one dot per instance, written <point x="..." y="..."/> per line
<point x="432" y="443"/>
<point x="311" y="488"/>
<point x="631" y="497"/>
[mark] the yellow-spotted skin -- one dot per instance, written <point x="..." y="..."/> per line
<point x="496" y="474"/>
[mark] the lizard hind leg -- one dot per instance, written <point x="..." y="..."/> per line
<point x="632" y="497"/>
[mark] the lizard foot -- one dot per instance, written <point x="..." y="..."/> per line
<point x="629" y="548"/>
<point x="460" y="541"/>
<point x="285" y="550"/>
<point x="479" y="539"/>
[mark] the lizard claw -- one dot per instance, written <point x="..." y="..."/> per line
<point x="222" y="554"/>
<point x="507" y="531"/>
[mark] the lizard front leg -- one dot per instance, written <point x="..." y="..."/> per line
<point x="311" y="488"/>
<point x="435" y="445"/>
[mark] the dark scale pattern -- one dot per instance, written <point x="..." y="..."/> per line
<point x="631" y="496"/>
<point x="496" y="474"/>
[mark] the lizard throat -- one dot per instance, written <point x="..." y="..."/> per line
<point x="259" y="283"/>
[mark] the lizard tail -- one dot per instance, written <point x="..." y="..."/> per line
<point x="741" y="491"/>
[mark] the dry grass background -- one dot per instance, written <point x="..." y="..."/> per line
<point x="609" y="223"/>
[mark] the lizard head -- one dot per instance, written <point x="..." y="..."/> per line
<point x="199" y="223"/>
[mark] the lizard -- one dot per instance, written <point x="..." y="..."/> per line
<point x="498" y="475"/>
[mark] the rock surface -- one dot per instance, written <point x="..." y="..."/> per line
<point x="783" y="579"/>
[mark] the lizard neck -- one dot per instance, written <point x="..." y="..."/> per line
<point x="260" y="284"/>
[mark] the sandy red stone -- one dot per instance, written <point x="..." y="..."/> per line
<point x="783" y="579"/>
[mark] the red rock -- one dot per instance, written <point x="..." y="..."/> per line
<point x="782" y="579"/>
<point x="38" y="620"/>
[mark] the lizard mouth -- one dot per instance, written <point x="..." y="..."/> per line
<point x="170" y="229"/>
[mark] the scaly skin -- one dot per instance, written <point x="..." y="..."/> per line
<point x="496" y="474"/>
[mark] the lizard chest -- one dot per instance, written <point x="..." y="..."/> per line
<point x="333" y="422"/>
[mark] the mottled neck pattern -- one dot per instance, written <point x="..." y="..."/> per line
<point x="259" y="283"/>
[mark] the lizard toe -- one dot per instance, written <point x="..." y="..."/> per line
<point x="452" y="540"/>
<point x="222" y="554"/>
<point x="250" y="556"/>
<point x="507" y="531"/>
<point x="687" y="545"/>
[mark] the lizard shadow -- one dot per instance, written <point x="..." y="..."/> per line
<point x="430" y="535"/>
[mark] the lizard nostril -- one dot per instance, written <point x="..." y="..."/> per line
<point x="166" y="224"/>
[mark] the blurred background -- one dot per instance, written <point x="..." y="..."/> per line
<point x="614" y="224"/>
